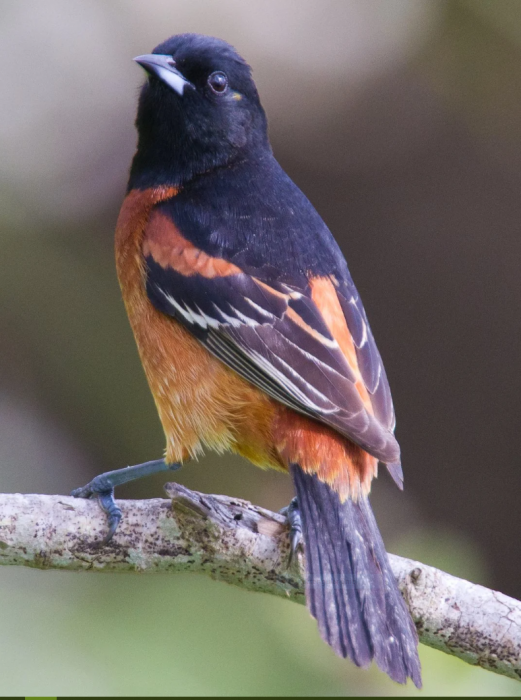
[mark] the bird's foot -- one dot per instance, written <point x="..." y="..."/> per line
<point x="295" y="529"/>
<point x="107" y="503"/>
<point x="102" y="488"/>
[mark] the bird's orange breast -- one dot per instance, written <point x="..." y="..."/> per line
<point x="200" y="401"/>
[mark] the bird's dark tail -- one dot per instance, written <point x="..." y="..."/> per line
<point x="350" y="587"/>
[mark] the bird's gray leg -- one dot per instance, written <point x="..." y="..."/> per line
<point x="102" y="488"/>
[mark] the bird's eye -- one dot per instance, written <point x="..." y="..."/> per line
<point x="218" y="81"/>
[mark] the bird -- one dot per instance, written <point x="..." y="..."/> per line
<point x="254" y="339"/>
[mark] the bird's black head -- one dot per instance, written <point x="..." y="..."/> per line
<point x="198" y="110"/>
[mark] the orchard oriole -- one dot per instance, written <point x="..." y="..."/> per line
<point x="253" y="336"/>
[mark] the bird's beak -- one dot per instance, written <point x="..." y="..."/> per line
<point x="164" y="68"/>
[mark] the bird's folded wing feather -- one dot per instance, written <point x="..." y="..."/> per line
<point x="310" y="348"/>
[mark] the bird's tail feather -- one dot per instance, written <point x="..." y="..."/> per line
<point x="350" y="587"/>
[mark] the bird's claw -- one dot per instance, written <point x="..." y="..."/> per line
<point x="107" y="503"/>
<point x="82" y="492"/>
<point x="113" y="513"/>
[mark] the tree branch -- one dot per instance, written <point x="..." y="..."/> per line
<point x="234" y="541"/>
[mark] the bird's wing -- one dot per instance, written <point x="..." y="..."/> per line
<point x="309" y="347"/>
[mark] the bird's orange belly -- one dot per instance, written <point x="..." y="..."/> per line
<point x="201" y="403"/>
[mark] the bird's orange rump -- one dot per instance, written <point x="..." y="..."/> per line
<point x="344" y="466"/>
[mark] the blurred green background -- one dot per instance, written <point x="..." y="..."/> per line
<point x="400" y="119"/>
